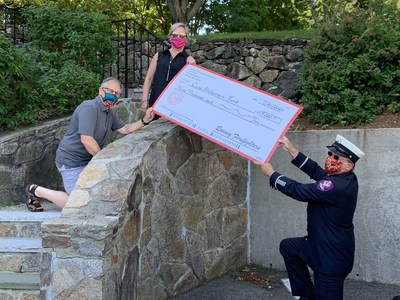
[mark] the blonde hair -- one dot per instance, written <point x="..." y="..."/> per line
<point x="176" y="25"/>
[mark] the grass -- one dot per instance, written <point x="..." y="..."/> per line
<point x="284" y="34"/>
<point x="270" y="34"/>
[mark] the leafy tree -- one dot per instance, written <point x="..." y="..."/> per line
<point x="238" y="15"/>
<point x="255" y="15"/>
<point x="287" y="14"/>
<point x="325" y="12"/>
<point x="163" y="17"/>
<point x="201" y="19"/>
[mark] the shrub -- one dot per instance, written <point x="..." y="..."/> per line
<point x="82" y="37"/>
<point x="351" y="71"/>
<point x="63" y="90"/>
<point x="60" y="68"/>
<point x="17" y="85"/>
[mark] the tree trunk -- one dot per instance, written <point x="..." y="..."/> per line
<point x="161" y="16"/>
<point x="179" y="10"/>
<point x="313" y="13"/>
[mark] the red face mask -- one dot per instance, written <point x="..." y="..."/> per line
<point x="178" y="42"/>
<point x="332" y="165"/>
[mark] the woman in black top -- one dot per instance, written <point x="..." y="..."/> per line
<point x="165" y="65"/>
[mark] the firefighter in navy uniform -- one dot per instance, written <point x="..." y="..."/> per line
<point x="328" y="248"/>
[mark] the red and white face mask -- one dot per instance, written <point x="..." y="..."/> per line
<point x="332" y="165"/>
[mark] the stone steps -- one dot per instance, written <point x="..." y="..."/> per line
<point x="20" y="252"/>
<point x="8" y="294"/>
<point x="19" y="281"/>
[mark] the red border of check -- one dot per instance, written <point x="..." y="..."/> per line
<point x="218" y="142"/>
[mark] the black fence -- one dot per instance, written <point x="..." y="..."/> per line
<point x="11" y="23"/>
<point x="134" y="47"/>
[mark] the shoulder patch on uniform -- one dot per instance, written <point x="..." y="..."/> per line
<point x="325" y="185"/>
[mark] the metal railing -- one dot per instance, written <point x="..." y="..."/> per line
<point x="134" y="46"/>
<point x="11" y="23"/>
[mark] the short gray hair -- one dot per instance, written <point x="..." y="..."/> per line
<point x="176" y="25"/>
<point x="104" y="82"/>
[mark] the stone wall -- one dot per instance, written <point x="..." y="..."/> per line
<point x="154" y="214"/>
<point x="27" y="155"/>
<point x="270" y="65"/>
<point x="162" y="210"/>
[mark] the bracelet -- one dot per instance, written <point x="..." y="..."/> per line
<point x="144" y="100"/>
<point x="143" y="122"/>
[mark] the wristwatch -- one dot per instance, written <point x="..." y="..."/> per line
<point x="144" y="123"/>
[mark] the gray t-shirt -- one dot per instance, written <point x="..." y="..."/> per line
<point x="90" y="118"/>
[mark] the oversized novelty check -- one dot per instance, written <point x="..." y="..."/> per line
<point x="236" y="116"/>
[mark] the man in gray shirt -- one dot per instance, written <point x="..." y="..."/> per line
<point x="90" y="125"/>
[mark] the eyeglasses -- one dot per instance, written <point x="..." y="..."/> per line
<point x="334" y="155"/>
<point x="181" y="35"/>
<point x="111" y="91"/>
<point x="337" y="157"/>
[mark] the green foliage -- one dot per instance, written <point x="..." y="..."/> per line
<point x="60" y="68"/>
<point x="238" y="15"/>
<point x="62" y="90"/>
<point x="153" y="14"/>
<point x="254" y="15"/>
<point x="222" y="274"/>
<point x="330" y="12"/>
<point x="81" y="37"/>
<point x="17" y="79"/>
<point x="351" y="70"/>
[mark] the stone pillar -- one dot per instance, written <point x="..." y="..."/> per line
<point x="154" y="214"/>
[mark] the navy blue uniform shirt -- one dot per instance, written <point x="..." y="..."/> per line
<point x="329" y="245"/>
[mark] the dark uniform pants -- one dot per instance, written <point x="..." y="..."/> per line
<point x="326" y="286"/>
